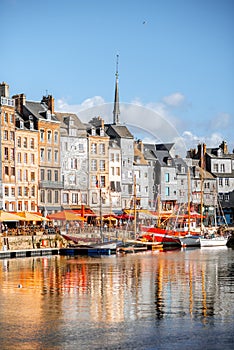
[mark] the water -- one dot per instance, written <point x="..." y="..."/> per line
<point x="181" y="299"/>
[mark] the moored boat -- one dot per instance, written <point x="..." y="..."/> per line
<point x="213" y="241"/>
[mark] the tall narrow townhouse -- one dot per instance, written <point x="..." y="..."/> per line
<point x="7" y="159"/>
<point x="150" y="156"/>
<point x="115" y="176"/>
<point x="74" y="161"/>
<point x="26" y="165"/>
<point x="50" y="184"/>
<point x="141" y="172"/>
<point x="98" y="144"/>
<point x="166" y="179"/>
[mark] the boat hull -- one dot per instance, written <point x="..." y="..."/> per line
<point x="213" y="242"/>
<point x="190" y="241"/>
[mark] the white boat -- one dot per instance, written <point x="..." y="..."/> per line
<point x="213" y="242"/>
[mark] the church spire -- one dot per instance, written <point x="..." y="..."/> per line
<point x="116" y="111"/>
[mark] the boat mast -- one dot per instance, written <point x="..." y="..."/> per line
<point x="189" y="222"/>
<point x="202" y="184"/>
<point x="135" y="216"/>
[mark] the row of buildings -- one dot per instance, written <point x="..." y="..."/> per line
<point x="51" y="161"/>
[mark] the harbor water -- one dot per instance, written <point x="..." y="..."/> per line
<point x="178" y="299"/>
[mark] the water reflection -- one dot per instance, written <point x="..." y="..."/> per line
<point x="60" y="292"/>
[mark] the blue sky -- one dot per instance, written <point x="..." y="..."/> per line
<point x="176" y="58"/>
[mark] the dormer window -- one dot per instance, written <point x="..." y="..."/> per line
<point x="48" y="115"/>
<point x="219" y="152"/>
<point x="93" y="132"/>
<point x="101" y="132"/>
<point x="21" y="124"/>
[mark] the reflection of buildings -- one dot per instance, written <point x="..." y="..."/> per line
<point x="192" y="284"/>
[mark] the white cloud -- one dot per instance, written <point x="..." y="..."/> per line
<point x="174" y="100"/>
<point x="153" y="122"/>
<point x="221" y="121"/>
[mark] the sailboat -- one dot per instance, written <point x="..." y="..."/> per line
<point x="212" y="237"/>
<point x="190" y="240"/>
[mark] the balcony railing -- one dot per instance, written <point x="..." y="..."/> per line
<point x="51" y="184"/>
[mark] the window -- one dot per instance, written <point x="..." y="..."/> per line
<point x="56" y="175"/>
<point x="93" y="148"/>
<point x="75" y="198"/>
<point x="25" y="191"/>
<point x="25" y="158"/>
<point x="33" y="191"/>
<point x="19" y="175"/>
<point x="32" y="156"/>
<point x="6" y="154"/>
<point x="32" y="176"/>
<point x="167" y="177"/>
<point x="19" y="141"/>
<point x="112" y="157"/>
<point x="42" y="174"/>
<point x="65" y="198"/>
<point x="118" y="171"/>
<point x="49" y="175"/>
<point x="32" y="143"/>
<point x="20" y="191"/>
<point x="102" y="148"/>
<point x="25" y="175"/>
<point x="129" y="189"/>
<point x="222" y="168"/>
<point x="56" y="197"/>
<point x="6" y="191"/>
<point x="112" y="186"/>
<point x="42" y="196"/>
<point x="226" y="182"/>
<point x="220" y="181"/>
<point x="112" y="171"/>
<point x="226" y="197"/>
<point x="81" y="147"/>
<point x="49" y="196"/>
<point x="49" y="136"/>
<point x="12" y="154"/>
<point x="94" y="165"/>
<point x="103" y="181"/>
<point x="42" y="133"/>
<point x="5" y="135"/>
<point x="42" y="154"/>
<point x="102" y="165"/>
<point x="49" y="158"/>
<point x="94" y="181"/>
<point x="117" y="157"/>
<point x="12" y="135"/>
<point x="6" y="170"/>
<point x="12" y="171"/>
<point x="5" y="118"/>
<point x="56" y="137"/>
<point x="216" y="168"/>
<point x="25" y="143"/>
<point x="167" y="191"/>
<point x="11" y="118"/>
<point x="13" y="191"/>
<point x="56" y="156"/>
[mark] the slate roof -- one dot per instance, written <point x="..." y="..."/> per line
<point x="120" y="131"/>
<point x="37" y="109"/>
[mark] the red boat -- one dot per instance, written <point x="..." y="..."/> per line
<point x="166" y="237"/>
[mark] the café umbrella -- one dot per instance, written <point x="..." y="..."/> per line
<point x="27" y="216"/>
<point x="7" y="216"/>
<point x="65" y="215"/>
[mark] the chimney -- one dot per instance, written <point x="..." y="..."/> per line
<point x="4" y="89"/>
<point x="224" y="147"/>
<point x="20" y="100"/>
<point x="140" y="146"/>
<point x="49" y="101"/>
